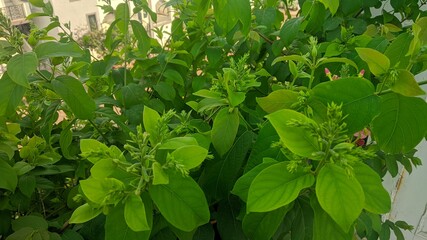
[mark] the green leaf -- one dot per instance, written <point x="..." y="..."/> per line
<point x="296" y="58"/>
<point x="9" y="178"/>
<point x="401" y="124"/>
<point x="27" y="184"/>
<point x="218" y="177"/>
<point x="377" y="199"/>
<point x="11" y="95"/>
<point x="337" y="191"/>
<point x="181" y="199"/>
<point x="360" y="104"/>
<point x="150" y="118"/>
<point x="275" y="187"/>
<point x="398" y="49"/>
<point x="406" y="84"/>
<point x="378" y="63"/>
<point x="20" y="66"/>
<point x="103" y="168"/>
<point x="178" y="142"/>
<point x="324" y="226"/>
<point x="99" y="190"/>
<point x="331" y="4"/>
<point x="56" y="49"/>
<point x="24" y="233"/>
<point x="290" y="29"/>
<point x="262" y="226"/>
<point x="262" y="147"/>
<point x="227" y="17"/>
<point x="31" y="221"/>
<point x="337" y="60"/>
<point x="241" y="187"/>
<point x="116" y="227"/>
<point x="159" y="175"/>
<point x="277" y="100"/>
<point x="122" y="13"/>
<point x="84" y="213"/>
<point x="88" y="146"/>
<point x="174" y="76"/>
<point x="144" y="41"/>
<point x="165" y="90"/>
<point x="299" y="140"/>
<point x="37" y="3"/>
<point x="190" y="156"/>
<point x="135" y="215"/>
<point x="74" y="94"/>
<point x="224" y="130"/>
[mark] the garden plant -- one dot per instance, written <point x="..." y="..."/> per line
<point x="250" y="122"/>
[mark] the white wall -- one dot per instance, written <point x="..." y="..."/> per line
<point x="76" y="12"/>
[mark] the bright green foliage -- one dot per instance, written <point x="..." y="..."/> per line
<point x="20" y="66"/>
<point x="224" y="129"/>
<point x="135" y="215"/>
<point x="84" y="213"/>
<point x="181" y="199"/>
<point x="243" y="122"/>
<point x="377" y="199"/>
<point x="337" y="190"/>
<point x="275" y="187"/>
<point x="378" y="63"/>
<point x="299" y="140"/>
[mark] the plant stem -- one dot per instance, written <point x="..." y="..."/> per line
<point x="310" y="83"/>
<point x="99" y="131"/>
<point x="42" y="76"/>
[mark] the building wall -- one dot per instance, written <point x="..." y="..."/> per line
<point x="76" y="12"/>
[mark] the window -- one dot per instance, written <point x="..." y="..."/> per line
<point x="92" y="22"/>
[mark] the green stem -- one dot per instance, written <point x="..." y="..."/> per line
<point x="323" y="161"/>
<point x="310" y="83"/>
<point x="42" y="76"/>
<point x="99" y="131"/>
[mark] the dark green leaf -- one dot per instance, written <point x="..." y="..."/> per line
<point x="360" y="104"/>
<point x="56" y="49"/>
<point x="9" y="178"/>
<point x="27" y="184"/>
<point x="325" y="227"/>
<point x="74" y="94"/>
<point x="219" y="176"/>
<point x="165" y="90"/>
<point x="20" y="66"/>
<point x="117" y="229"/>
<point x="290" y="29"/>
<point x="34" y="222"/>
<point x="11" y="95"/>
<point x="401" y="124"/>
<point x="262" y="226"/>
